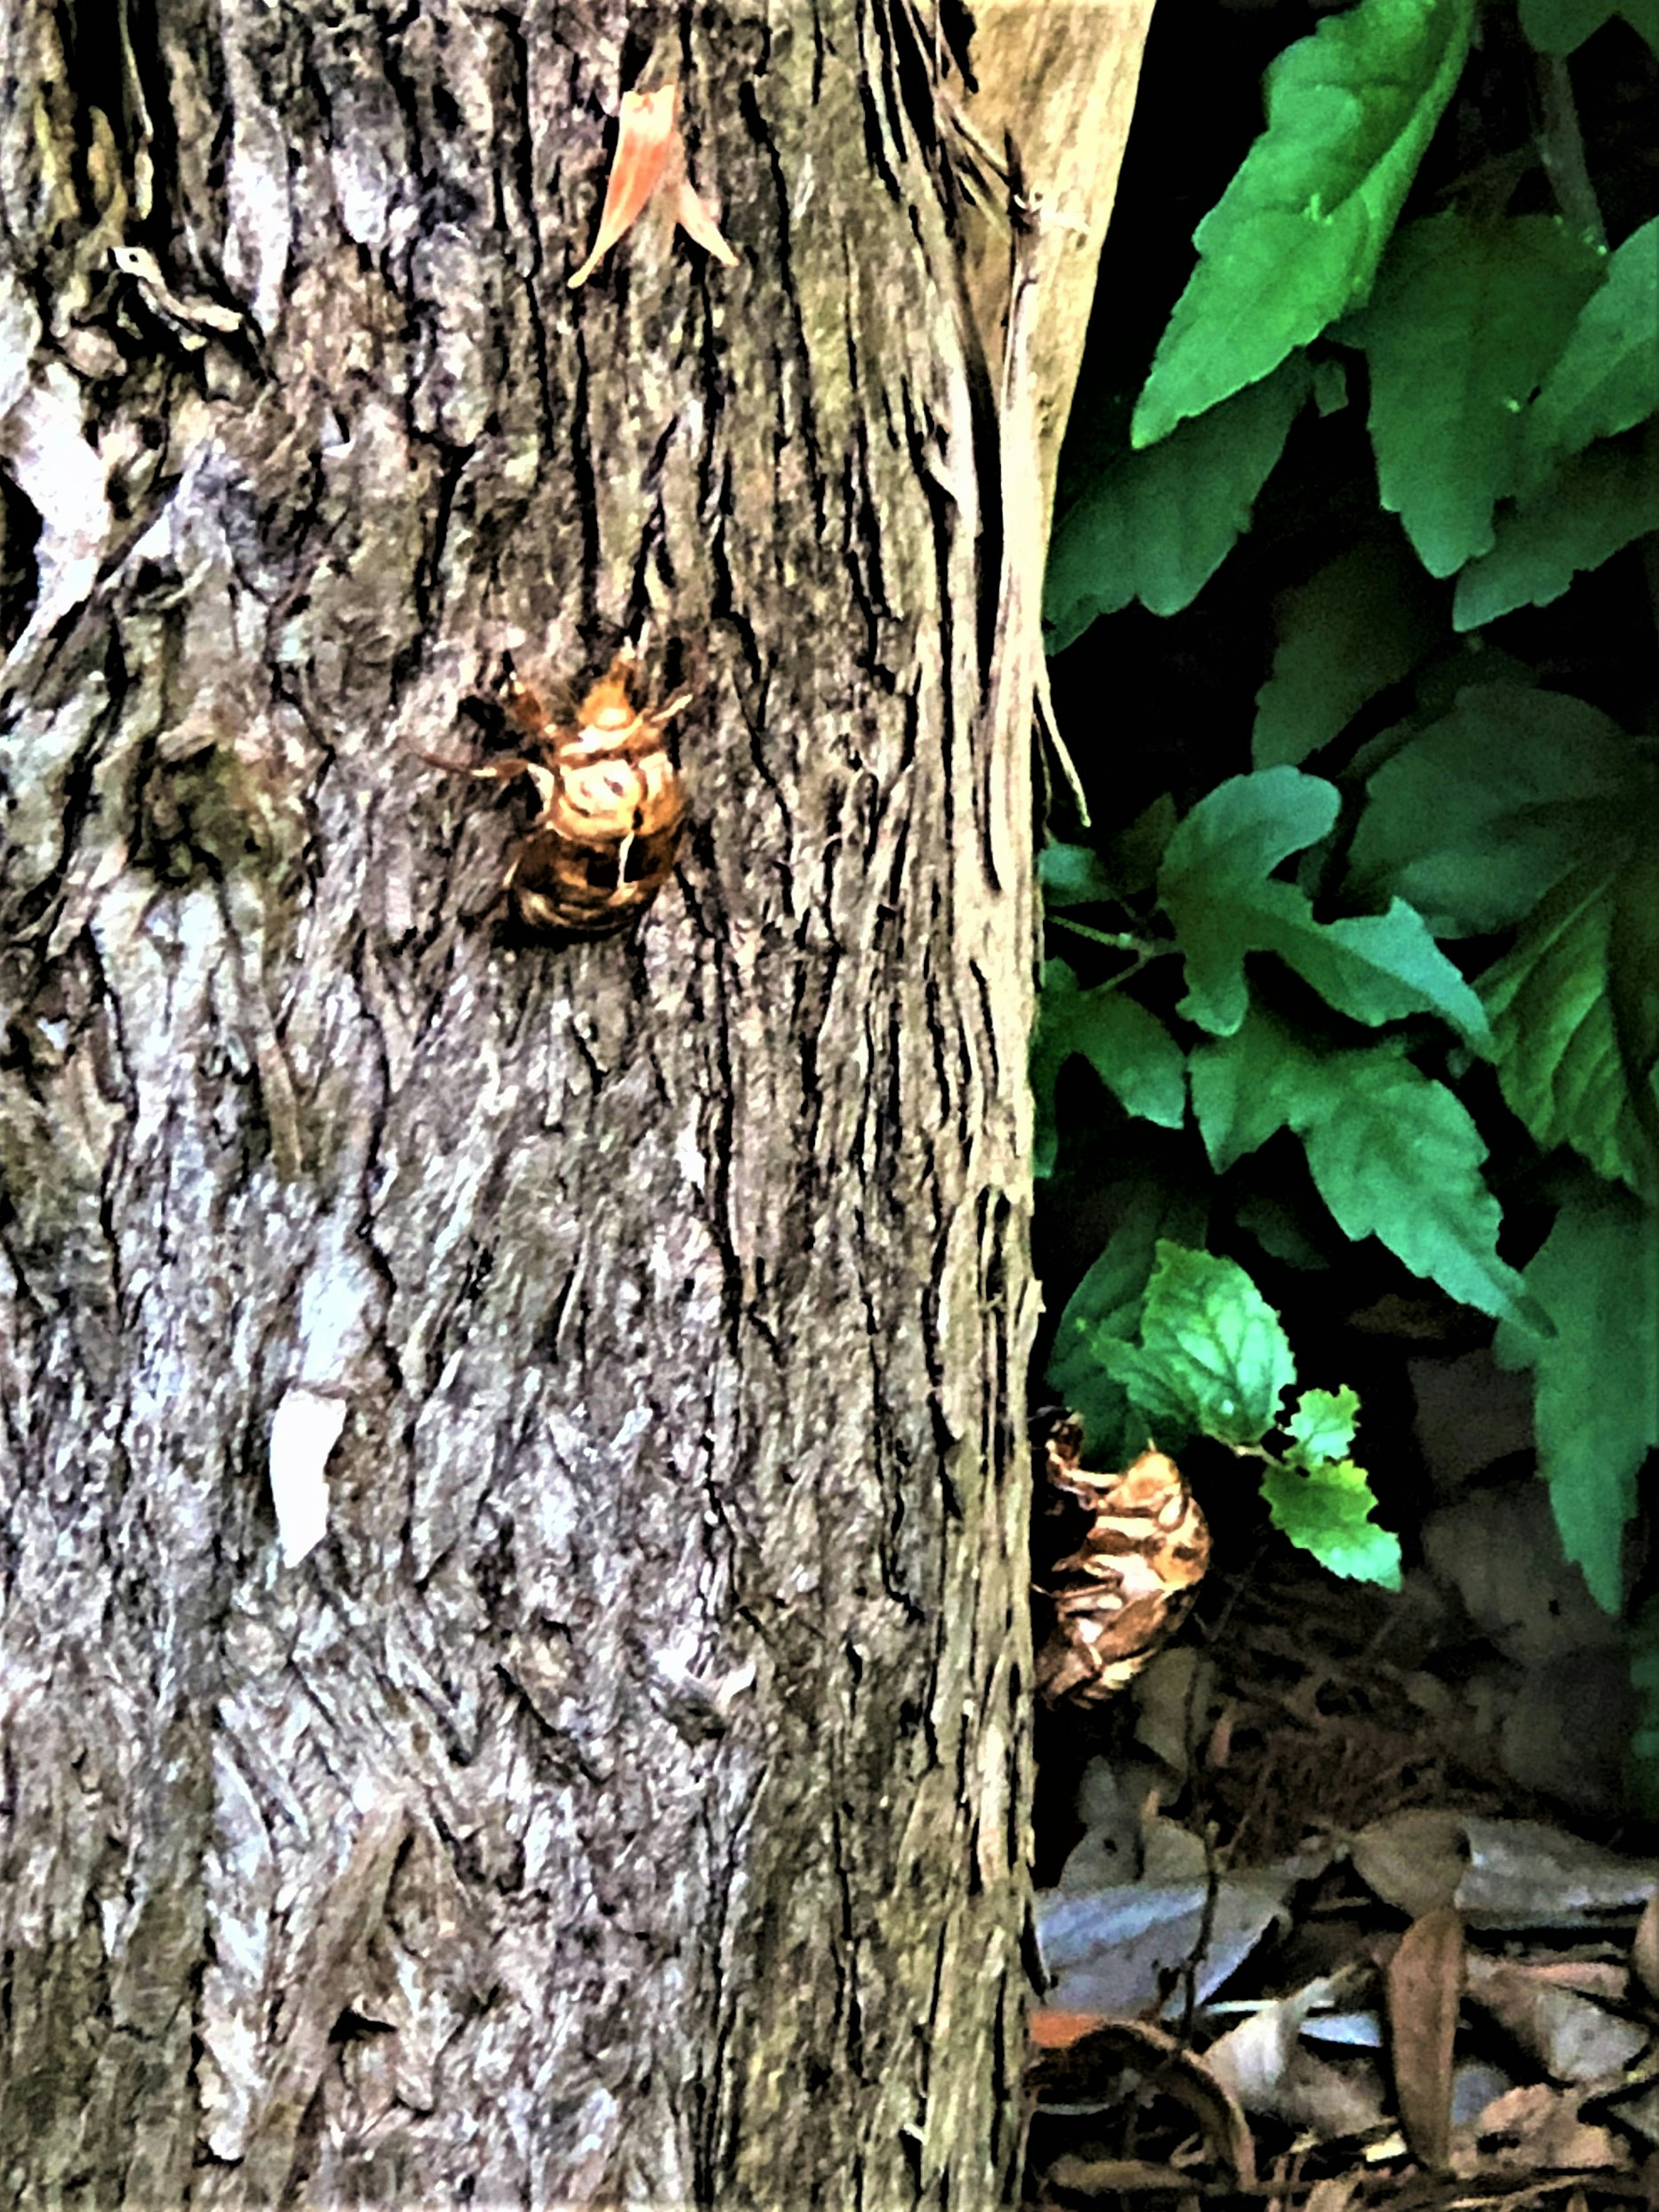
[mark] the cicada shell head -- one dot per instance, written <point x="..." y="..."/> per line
<point x="610" y="805"/>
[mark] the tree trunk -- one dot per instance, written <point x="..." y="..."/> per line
<point x="625" y="1800"/>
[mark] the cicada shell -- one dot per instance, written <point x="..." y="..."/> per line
<point x="1122" y="1594"/>
<point x="610" y="805"/>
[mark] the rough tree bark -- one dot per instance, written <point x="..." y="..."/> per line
<point x="625" y="1800"/>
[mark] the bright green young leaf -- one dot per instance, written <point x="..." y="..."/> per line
<point x="1359" y="624"/>
<point x="1559" y="27"/>
<point x="1106" y="1307"/>
<point x="1575" y="1009"/>
<point x="1130" y="1050"/>
<point x="1326" y="1508"/>
<point x="1606" y="379"/>
<point x="1393" y="1153"/>
<point x="1593" y="507"/>
<point x="1216" y="888"/>
<point x="1322" y="1426"/>
<point x="1597" y="1380"/>
<point x="1212" y="1358"/>
<point x="1296" y="238"/>
<point x="1156" y="526"/>
<point x="1478" y="816"/>
<point x="1466" y="320"/>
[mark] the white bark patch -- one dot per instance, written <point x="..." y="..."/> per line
<point x="63" y="479"/>
<point x="304" y="1431"/>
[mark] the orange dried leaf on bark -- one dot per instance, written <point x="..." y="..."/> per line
<point x="649" y="160"/>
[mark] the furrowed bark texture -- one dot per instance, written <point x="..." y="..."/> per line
<point x="626" y="1799"/>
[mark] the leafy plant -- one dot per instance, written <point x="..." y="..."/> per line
<point x="1433" y="967"/>
<point x="1214" y="1361"/>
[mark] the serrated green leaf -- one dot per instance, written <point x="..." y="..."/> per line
<point x="1156" y="526"/>
<point x="1326" y="1509"/>
<point x="1403" y="1163"/>
<point x="1216" y="887"/>
<point x="1596" y="1279"/>
<point x="1594" y="506"/>
<point x="1252" y="1084"/>
<point x="1476" y="818"/>
<point x="1607" y="377"/>
<point x="1106" y="1306"/>
<point x="1359" y="624"/>
<point x="1213" y="1357"/>
<point x="1575" y="1009"/>
<point x="1392" y="1153"/>
<point x="1467" y="318"/>
<point x="1378" y="968"/>
<point x="1130" y="1050"/>
<point x="1559" y="27"/>
<point x="1322" y="1426"/>
<point x="1296" y="238"/>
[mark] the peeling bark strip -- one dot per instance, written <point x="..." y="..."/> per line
<point x="624" y="1800"/>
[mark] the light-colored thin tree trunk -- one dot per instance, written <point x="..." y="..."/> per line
<point x="625" y="1800"/>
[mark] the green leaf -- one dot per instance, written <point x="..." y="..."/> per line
<point x="1215" y="885"/>
<point x="1322" y="1426"/>
<point x="1121" y="864"/>
<point x="1106" y="1307"/>
<point x="1133" y="856"/>
<point x="1597" y="1380"/>
<point x="1595" y="505"/>
<point x="1575" y="1008"/>
<point x="1072" y="875"/>
<point x="1393" y="1153"/>
<point x="1402" y="1163"/>
<point x="1252" y="1084"/>
<point x="1296" y="238"/>
<point x="1212" y="1358"/>
<point x="1327" y="1509"/>
<point x="1559" y="27"/>
<point x="1606" y="379"/>
<point x="1467" y="318"/>
<point x="1130" y="1050"/>
<point x="1156" y="526"/>
<point x="1477" y="816"/>
<point x="1359" y="624"/>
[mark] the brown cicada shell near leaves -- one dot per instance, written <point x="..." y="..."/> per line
<point x="1119" y="1597"/>
<point x="610" y="805"/>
